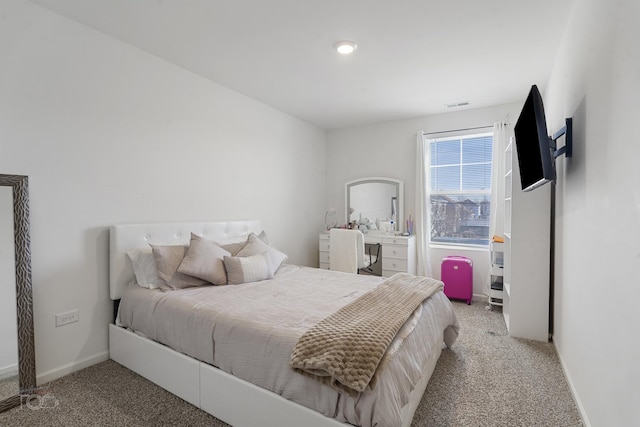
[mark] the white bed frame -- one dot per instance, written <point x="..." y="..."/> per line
<point x="210" y="389"/>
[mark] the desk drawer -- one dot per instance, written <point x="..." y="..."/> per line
<point x="395" y="241"/>
<point x="324" y="257"/>
<point x="324" y="245"/>
<point x="368" y="238"/>
<point x="394" y="264"/>
<point x="394" y="251"/>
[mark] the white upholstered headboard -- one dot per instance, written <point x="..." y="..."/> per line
<point x="124" y="237"/>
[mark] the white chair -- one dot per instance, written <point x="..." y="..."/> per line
<point x="346" y="251"/>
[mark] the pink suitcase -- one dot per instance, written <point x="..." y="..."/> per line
<point x="457" y="274"/>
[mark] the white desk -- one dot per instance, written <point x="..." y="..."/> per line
<point x="398" y="252"/>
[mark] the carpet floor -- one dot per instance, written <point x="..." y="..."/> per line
<point x="486" y="379"/>
<point x="9" y="385"/>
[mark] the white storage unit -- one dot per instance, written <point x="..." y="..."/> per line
<point x="496" y="292"/>
<point x="526" y="249"/>
<point x="323" y="250"/>
<point x="398" y="255"/>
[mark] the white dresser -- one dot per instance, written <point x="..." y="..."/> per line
<point x="398" y="252"/>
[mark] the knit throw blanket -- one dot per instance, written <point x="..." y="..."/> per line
<point x="345" y="349"/>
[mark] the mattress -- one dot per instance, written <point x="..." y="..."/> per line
<point x="249" y="331"/>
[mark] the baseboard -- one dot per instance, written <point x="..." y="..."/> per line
<point x="480" y="298"/>
<point x="9" y="371"/>
<point x="60" y="372"/>
<point x="574" y="392"/>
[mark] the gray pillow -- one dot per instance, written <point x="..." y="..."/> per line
<point x="235" y="247"/>
<point x="255" y="246"/>
<point x="247" y="269"/>
<point x="168" y="259"/>
<point x="204" y="260"/>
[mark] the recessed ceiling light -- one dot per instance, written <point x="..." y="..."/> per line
<point x="345" y="47"/>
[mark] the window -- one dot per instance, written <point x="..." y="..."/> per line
<point x="460" y="191"/>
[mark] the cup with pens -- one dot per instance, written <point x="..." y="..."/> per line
<point x="410" y="225"/>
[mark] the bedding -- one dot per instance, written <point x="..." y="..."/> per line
<point x="251" y="268"/>
<point x="346" y="348"/>
<point x="168" y="259"/>
<point x="234" y="244"/>
<point x="250" y="330"/>
<point x="256" y="246"/>
<point x="144" y="268"/>
<point x="204" y="260"/>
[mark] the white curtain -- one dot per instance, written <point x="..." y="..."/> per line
<point x="423" y="207"/>
<point x="496" y="224"/>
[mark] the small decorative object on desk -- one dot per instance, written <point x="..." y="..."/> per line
<point x="410" y="226"/>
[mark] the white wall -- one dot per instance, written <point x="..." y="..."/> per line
<point x="388" y="149"/>
<point x="596" y="80"/>
<point x="109" y="134"/>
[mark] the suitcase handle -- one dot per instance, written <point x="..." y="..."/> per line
<point x="461" y="258"/>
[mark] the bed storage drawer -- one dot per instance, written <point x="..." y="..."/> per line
<point x="132" y="351"/>
<point x="227" y="397"/>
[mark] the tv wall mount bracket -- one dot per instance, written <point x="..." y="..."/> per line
<point x="567" y="130"/>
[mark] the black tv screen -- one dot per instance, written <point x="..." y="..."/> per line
<point x="535" y="156"/>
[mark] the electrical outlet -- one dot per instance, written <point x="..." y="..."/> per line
<point x="66" y="318"/>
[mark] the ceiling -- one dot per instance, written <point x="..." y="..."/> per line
<point x="414" y="56"/>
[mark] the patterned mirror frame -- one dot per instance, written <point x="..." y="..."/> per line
<point x="24" y="296"/>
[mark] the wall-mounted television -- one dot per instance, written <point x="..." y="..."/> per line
<point x="534" y="147"/>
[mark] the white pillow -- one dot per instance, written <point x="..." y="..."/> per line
<point x="247" y="269"/>
<point x="144" y="268"/>
<point x="256" y="246"/>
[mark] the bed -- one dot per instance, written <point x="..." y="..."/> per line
<point x="216" y="365"/>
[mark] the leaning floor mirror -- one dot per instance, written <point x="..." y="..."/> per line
<point x="17" y="355"/>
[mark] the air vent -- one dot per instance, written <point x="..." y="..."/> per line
<point x="457" y="104"/>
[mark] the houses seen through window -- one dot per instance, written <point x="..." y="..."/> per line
<point x="460" y="190"/>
